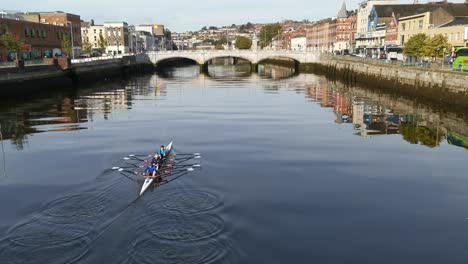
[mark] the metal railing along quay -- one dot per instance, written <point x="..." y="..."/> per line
<point x="425" y="64"/>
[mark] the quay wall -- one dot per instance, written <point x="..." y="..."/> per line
<point x="30" y="79"/>
<point x="436" y="86"/>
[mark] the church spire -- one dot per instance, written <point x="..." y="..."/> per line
<point x="343" y="12"/>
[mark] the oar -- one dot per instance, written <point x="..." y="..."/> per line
<point x="186" y="154"/>
<point x="181" y="165"/>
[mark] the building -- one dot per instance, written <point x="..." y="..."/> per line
<point x="94" y="35"/>
<point x="362" y="22"/>
<point x="321" y="36"/>
<point x="117" y="37"/>
<point x="345" y="30"/>
<point x="39" y="40"/>
<point x="59" y="18"/>
<point x="448" y="19"/>
<point x="299" y="42"/>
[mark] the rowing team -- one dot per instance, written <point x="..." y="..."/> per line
<point x="155" y="164"/>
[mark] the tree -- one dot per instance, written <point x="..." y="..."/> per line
<point x="101" y="42"/>
<point x="86" y="45"/>
<point x="243" y="43"/>
<point x="213" y="28"/>
<point x="12" y="44"/>
<point x="268" y="32"/>
<point x="204" y="28"/>
<point x="437" y="46"/>
<point x="219" y="47"/>
<point x="415" y="47"/>
<point x="66" y="46"/>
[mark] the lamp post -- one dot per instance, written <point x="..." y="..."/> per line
<point x="71" y="35"/>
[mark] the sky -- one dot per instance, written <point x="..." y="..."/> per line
<point x="189" y="15"/>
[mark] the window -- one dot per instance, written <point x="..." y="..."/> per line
<point x="26" y="32"/>
<point x="44" y="33"/>
<point x="457" y="37"/>
<point x="451" y="37"/>
<point x="38" y="33"/>
<point x="421" y="24"/>
<point x="31" y="33"/>
<point x="403" y="26"/>
<point x="58" y="35"/>
<point x="94" y="31"/>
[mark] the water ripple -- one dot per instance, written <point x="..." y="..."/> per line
<point x="191" y="202"/>
<point x="184" y="228"/>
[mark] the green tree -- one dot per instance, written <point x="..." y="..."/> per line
<point x="437" y="46"/>
<point x="101" y="42"/>
<point x="86" y="45"/>
<point x="243" y="43"/>
<point x="12" y="44"/>
<point x="219" y="47"/>
<point x="416" y="45"/>
<point x="66" y="46"/>
<point x="269" y="32"/>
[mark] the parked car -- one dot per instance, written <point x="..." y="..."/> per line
<point x="448" y="60"/>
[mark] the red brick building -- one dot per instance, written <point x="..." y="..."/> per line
<point x="321" y="36"/>
<point x="345" y="30"/>
<point x="41" y="33"/>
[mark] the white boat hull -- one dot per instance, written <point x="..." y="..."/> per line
<point x="148" y="181"/>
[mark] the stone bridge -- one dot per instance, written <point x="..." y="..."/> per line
<point x="253" y="56"/>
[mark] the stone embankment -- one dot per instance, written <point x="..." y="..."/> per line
<point x="62" y="73"/>
<point x="436" y="86"/>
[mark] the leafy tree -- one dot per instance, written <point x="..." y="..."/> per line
<point x="86" y="45"/>
<point x="243" y="43"/>
<point x="269" y="32"/>
<point x="66" y="46"/>
<point x="203" y="28"/>
<point x="415" y="47"/>
<point x="101" y="42"/>
<point x="213" y="28"/>
<point x="249" y="25"/>
<point x="219" y="47"/>
<point x="437" y="46"/>
<point x="12" y="44"/>
<point x="233" y="25"/>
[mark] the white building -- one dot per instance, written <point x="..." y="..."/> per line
<point x="90" y="33"/>
<point x="362" y="22"/>
<point x="117" y="37"/>
<point x="299" y="42"/>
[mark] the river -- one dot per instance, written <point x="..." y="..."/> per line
<point x="294" y="169"/>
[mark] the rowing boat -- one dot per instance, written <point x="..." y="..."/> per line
<point x="149" y="180"/>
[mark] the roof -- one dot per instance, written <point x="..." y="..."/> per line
<point x="343" y="13"/>
<point x="457" y="21"/>
<point x="454" y="9"/>
<point x="300" y="36"/>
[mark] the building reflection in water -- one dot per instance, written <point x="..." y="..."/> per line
<point x="70" y="111"/>
<point x="371" y="115"/>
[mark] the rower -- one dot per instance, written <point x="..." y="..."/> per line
<point x="151" y="170"/>
<point x="162" y="152"/>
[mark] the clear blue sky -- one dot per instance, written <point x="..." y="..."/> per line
<point x="185" y="15"/>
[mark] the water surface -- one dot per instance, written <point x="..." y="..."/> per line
<point x="295" y="170"/>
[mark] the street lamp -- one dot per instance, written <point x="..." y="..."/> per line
<point x="71" y="35"/>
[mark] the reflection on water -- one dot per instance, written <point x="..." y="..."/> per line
<point x="377" y="114"/>
<point x="370" y="114"/>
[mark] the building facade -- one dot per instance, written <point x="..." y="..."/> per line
<point x="117" y="37"/>
<point x="362" y="23"/>
<point x="321" y="36"/>
<point x="299" y="43"/>
<point x="39" y="40"/>
<point x="93" y="35"/>
<point x="345" y="30"/>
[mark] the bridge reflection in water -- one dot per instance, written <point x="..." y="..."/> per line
<point x="369" y="113"/>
